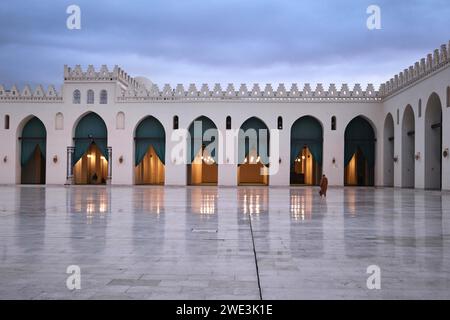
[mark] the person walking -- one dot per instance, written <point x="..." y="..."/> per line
<point x="323" y="186"/>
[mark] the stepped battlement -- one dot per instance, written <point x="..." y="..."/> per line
<point x="134" y="90"/>
<point x="27" y="94"/>
<point x="439" y="59"/>
<point x="255" y="92"/>
<point x="117" y="74"/>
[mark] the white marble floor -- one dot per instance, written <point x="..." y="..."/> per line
<point x="223" y="243"/>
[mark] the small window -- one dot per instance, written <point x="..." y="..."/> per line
<point x="175" y="123"/>
<point x="448" y="97"/>
<point x="120" y="121"/>
<point x="228" y="123"/>
<point x="76" y="97"/>
<point x="103" y="97"/>
<point x="398" y="116"/>
<point x="59" y="121"/>
<point x="333" y="123"/>
<point x="7" y="122"/>
<point x="420" y="108"/>
<point x="90" y="97"/>
<point x="280" y="123"/>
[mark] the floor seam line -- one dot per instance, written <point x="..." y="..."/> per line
<point x="256" y="259"/>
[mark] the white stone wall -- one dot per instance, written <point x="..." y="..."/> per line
<point x="268" y="110"/>
<point x="122" y="142"/>
<point x="411" y="95"/>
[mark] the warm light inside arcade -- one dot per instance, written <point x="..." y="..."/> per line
<point x="359" y="153"/>
<point x="253" y="153"/>
<point x="90" y="154"/>
<point x="306" y="151"/>
<point x="150" y="152"/>
<point x="90" y="157"/>
<point x="203" y="168"/>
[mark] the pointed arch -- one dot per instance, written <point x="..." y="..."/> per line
<point x="150" y="132"/>
<point x="253" y="152"/>
<point x="388" y="147"/>
<point x="150" y="151"/>
<point x="359" y="152"/>
<point x="90" y="128"/>
<point x="203" y="149"/>
<point x="306" y="151"/>
<point x="408" y="147"/>
<point x="90" y="158"/>
<point x="33" y="140"/>
<point x="433" y="142"/>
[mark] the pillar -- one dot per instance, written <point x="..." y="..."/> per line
<point x="108" y="178"/>
<point x="69" y="175"/>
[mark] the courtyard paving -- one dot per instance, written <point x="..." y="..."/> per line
<point x="223" y="243"/>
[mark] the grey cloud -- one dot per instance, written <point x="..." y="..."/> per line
<point x="214" y="40"/>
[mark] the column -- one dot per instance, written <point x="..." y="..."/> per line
<point x="69" y="175"/>
<point x="108" y="178"/>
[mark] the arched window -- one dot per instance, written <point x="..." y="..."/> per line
<point x="398" y="116"/>
<point x="228" y="123"/>
<point x="103" y="97"/>
<point x="175" y="123"/>
<point x="420" y="108"/>
<point x="120" y="121"/>
<point x="59" y="121"/>
<point x="90" y="96"/>
<point x="76" y="97"/>
<point x="333" y="123"/>
<point x="448" y="97"/>
<point x="7" y="122"/>
<point x="280" y="123"/>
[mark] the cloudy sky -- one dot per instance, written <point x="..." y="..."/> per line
<point x="225" y="41"/>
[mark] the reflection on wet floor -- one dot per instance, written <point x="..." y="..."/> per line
<point x="253" y="201"/>
<point x="95" y="202"/>
<point x="197" y="242"/>
<point x="203" y="201"/>
<point x="300" y="205"/>
<point x="149" y="200"/>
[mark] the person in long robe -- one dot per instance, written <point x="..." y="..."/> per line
<point x="323" y="186"/>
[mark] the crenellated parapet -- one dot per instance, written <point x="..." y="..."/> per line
<point x="104" y="74"/>
<point x="26" y="94"/>
<point x="255" y="93"/>
<point x="434" y="62"/>
<point x="141" y="89"/>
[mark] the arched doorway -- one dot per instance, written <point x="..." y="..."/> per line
<point x="253" y="153"/>
<point x="408" y="148"/>
<point x="33" y="151"/>
<point x="389" y="151"/>
<point x="433" y="143"/>
<point x="306" y="151"/>
<point x="90" y="159"/>
<point x="359" y="153"/>
<point x="150" y="152"/>
<point x="203" y="169"/>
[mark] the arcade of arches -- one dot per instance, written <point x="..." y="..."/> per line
<point x="90" y="152"/>
<point x="408" y="155"/>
